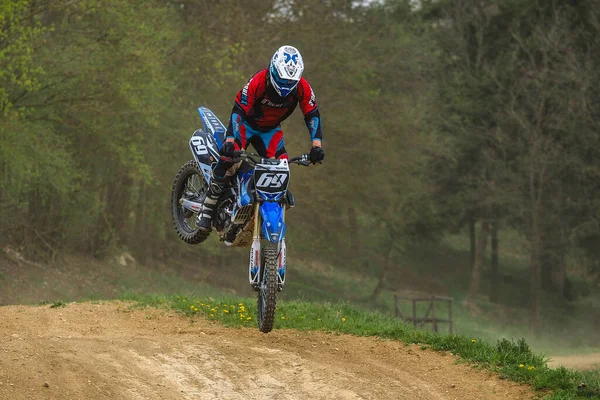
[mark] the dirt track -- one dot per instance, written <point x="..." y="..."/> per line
<point x="91" y="351"/>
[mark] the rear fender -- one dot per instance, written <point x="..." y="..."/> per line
<point x="203" y="146"/>
<point x="213" y="125"/>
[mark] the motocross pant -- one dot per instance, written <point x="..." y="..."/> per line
<point x="268" y="144"/>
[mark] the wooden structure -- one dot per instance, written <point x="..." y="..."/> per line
<point x="429" y="316"/>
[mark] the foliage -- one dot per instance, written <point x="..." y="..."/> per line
<point x="516" y="88"/>
<point x="18" y="72"/>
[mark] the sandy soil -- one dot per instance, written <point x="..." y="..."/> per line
<point x="581" y="362"/>
<point x="108" y="351"/>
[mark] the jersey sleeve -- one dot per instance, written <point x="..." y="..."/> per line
<point x="244" y="101"/>
<point x="247" y="96"/>
<point x="308" y="104"/>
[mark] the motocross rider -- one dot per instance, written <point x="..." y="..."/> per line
<point x="269" y="97"/>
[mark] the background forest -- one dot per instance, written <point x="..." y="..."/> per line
<point x="451" y="128"/>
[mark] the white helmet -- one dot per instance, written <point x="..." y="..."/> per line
<point x="286" y="69"/>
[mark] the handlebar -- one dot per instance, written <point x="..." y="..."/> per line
<point x="303" y="159"/>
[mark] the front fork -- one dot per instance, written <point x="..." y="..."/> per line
<point x="255" y="264"/>
<point x="281" y="265"/>
<point x="254" y="267"/>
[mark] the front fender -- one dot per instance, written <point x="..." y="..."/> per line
<point x="273" y="224"/>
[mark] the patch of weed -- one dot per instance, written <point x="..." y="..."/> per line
<point x="58" y="304"/>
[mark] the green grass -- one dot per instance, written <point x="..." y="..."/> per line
<point x="58" y="304"/>
<point x="513" y="360"/>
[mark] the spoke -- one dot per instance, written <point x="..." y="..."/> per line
<point x="190" y="222"/>
<point x="195" y="184"/>
<point x="190" y="184"/>
<point x="192" y="188"/>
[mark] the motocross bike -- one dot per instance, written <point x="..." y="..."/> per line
<point x="250" y="211"/>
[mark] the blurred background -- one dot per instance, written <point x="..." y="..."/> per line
<point x="461" y="137"/>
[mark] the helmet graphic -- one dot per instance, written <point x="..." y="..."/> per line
<point x="286" y="69"/>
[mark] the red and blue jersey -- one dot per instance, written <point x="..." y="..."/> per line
<point x="261" y="107"/>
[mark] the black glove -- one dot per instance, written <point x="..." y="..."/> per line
<point x="227" y="149"/>
<point x="229" y="154"/>
<point x="316" y="154"/>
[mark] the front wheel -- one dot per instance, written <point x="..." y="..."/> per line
<point x="189" y="184"/>
<point x="267" y="290"/>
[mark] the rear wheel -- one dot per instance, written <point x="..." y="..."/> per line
<point x="189" y="184"/>
<point x="267" y="290"/>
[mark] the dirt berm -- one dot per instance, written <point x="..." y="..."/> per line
<point x="108" y="351"/>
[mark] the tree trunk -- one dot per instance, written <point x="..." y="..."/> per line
<point x="475" y="283"/>
<point x="494" y="275"/>
<point x="141" y="223"/>
<point x="535" y="278"/>
<point x="472" y="238"/>
<point x="355" y="245"/>
<point x="117" y="206"/>
<point x="552" y="263"/>
<point x="560" y="277"/>
<point x="384" y="271"/>
<point x="535" y="270"/>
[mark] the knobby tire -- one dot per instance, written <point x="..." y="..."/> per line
<point x="184" y="231"/>
<point x="268" y="288"/>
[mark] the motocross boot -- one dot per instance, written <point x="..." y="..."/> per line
<point x="206" y="214"/>
<point x="221" y="175"/>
